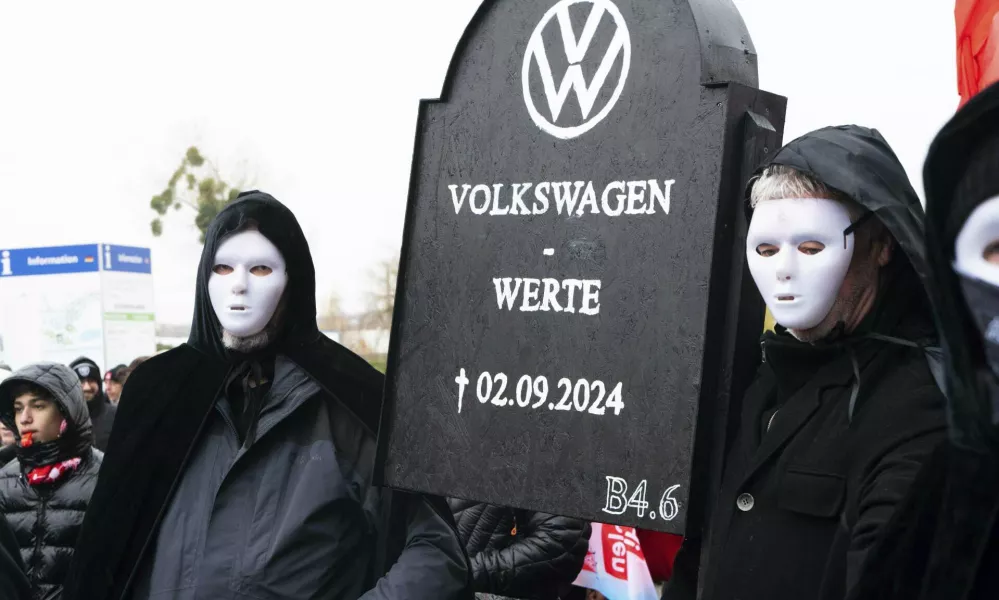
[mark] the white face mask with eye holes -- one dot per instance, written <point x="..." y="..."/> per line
<point x="799" y="251"/>
<point x="979" y="237"/>
<point x="246" y="284"/>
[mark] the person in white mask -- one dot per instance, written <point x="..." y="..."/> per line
<point x="845" y="406"/>
<point x="245" y="461"/>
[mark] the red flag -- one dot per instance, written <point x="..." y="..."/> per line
<point x="977" y="45"/>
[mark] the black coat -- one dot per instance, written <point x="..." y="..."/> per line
<point x="520" y="554"/>
<point x="168" y="399"/>
<point x="13" y="582"/>
<point x="830" y="434"/>
<point x="943" y="543"/>
<point x="102" y="414"/>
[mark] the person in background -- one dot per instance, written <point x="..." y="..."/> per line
<point x="44" y="492"/>
<point x="845" y="407"/>
<point x="102" y="412"/>
<point x="519" y="553"/>
<point x="8" y="445"/>
<point x="113" y="382"/>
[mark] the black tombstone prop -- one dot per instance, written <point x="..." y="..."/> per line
<point x="573" y="303"/>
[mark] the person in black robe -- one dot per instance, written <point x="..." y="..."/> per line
<point x="240" y="463"/>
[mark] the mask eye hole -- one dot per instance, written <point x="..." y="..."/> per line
<point x="261" y="270"/>
<point x="767" y="250"/>
<point x="811" y="248"/>
<point x="222" y="269"/>
<point x="991" y="253"/>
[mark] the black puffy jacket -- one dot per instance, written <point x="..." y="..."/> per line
<point x="46" y="519"/>
<point x="520" y="554"/>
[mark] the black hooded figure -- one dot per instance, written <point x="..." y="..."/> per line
<point x="833" y="429"/>
<point x="246" y="474"/>
<point x="943" y="543"/>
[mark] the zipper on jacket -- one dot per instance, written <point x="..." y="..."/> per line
<point x="763" y="350"/>
<point x="170" y="492"/>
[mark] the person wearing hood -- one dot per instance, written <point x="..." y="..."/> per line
<point x="241" y="463"/>
<point x="45" y="491"/>
<point x="844" y="407"/>
<point x="102" y="411"/>
<point x="943" y="543"/>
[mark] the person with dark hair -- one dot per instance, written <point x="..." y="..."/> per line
<point x="114" y="381"/>
<point x="241" y="463"/>
<point x="45" y="491"/>
<point x="102" y="411"/>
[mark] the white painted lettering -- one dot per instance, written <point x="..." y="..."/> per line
<point x="484" y="190"/>
<point x="496" y="210"/>
<point x="635" y="196"/>
<point x="591" y="297"/>
<point x="519" y="208"/>
<point x="566" y="196"/>
<point x="662" y="196"/>
<point x="549" y="299"/>
<point x="540" y="199"/>
<point x="615" y="185"/>
<point x="589" y="198"/>
<point x="454" y="196"/>
<point x="504" y="293"/>
<point x="530" y="295"/>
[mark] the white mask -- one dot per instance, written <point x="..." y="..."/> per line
<point x="246" y="283"/>
<point x="979" y="232"/>
<point x="806" y="257"/>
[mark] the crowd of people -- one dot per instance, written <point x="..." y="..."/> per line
<point x="864" y="464"/>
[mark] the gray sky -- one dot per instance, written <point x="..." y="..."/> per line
<point x="316" y="103"/>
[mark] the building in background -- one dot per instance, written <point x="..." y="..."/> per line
<point x="58" y="303"/>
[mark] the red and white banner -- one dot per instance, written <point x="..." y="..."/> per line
<point x="615" y="565"/>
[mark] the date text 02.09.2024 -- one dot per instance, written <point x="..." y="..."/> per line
<point x="582" y="395"/>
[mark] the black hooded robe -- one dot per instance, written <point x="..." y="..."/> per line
<point x="831" y="434"/>
<point x="169" y="399"/>
<point x="943" y="543"/>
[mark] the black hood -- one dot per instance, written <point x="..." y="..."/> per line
<point x="970" y="407"/>
<point x="280" y="226"/>
<point x="858" y="162"/>
<point x="86" y="368"/>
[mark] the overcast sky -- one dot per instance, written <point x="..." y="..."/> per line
<point x="316" y="103"/>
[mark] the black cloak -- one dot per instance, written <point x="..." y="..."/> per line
<point x="169" y="398"/>
<point x="943" y="543"/>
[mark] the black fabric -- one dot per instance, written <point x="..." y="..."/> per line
<point x="858" y="162"/>
<point x="521" y="554"/>
<point x="853" y="416"/>
<point x="943" y="544"/>
<point x="13" y="581"/>
<point x="168" y="399"/>
<point x="102" y="412"/>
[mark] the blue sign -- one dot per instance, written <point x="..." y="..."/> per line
<point x="127" y="258"/>
<point x="49" y="261"/>
<point x="88" y="258"/>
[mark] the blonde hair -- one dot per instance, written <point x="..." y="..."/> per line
<point x="780" y="181"/>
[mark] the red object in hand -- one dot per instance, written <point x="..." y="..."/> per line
<point x="977" y="45"/>
<point x="660" y="551"/>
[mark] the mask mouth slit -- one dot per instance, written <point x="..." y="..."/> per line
<point x="785" y="298"/>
